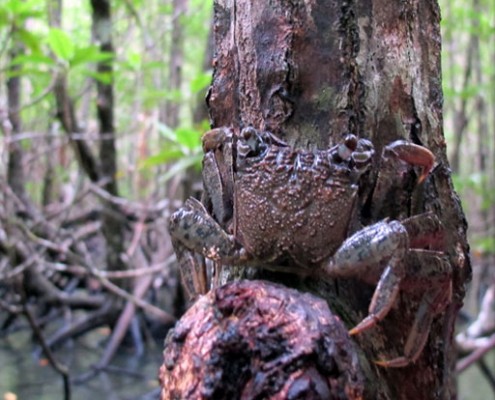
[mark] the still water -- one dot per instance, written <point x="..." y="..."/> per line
<point x="22" y="373"/>
<point x="29" y="378"/>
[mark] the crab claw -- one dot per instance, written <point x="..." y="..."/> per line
<point x="414" y="155"/>
<point x="213" y="139"/>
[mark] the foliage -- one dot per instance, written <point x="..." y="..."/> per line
<point x="140" y="71"/>
<point x="469" y="111"/>
<point x="84" y="107"/>
<point x="153" y="154"/>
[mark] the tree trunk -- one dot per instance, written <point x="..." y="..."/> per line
<point x="172" y="107"/>
<point x="113" y="222"/>
<point x="12" y="126"/>
<point x="310" y="71"/>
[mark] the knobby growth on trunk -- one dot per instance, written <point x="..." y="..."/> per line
<point x="312" y="70"/>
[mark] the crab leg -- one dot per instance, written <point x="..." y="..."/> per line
<point x="363" y="254"/>
<point x="434" y="280"/>
<point x="383" y="299"/>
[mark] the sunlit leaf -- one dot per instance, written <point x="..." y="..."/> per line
<point x="25" y="71"/>
<point x="134" y="60"/>
<point x="200" y="82"/>
<point x="164" y="157"/>
<point x="4" y="17"/>
<point x="38" y="59"/>
<point x="103" y="77"/>
<point x="90" y="54"/>
<point x="61" y="44"/>
<point x="30" y="40"/>
<point x="188" y="137"/>
<point x="21" y="10"/>
<point x="485" y="245"/>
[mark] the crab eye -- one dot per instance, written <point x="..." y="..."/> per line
<point x="351" y="141"/>
<point x="346" y="148"/>
<point x="250" y="143"/>
<point x="363" y="155"/>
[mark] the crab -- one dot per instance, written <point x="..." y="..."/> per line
<point x="269" y="205"/>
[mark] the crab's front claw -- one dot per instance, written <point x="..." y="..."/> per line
<point x="415" y="155"/>
<point x="215" y="138"/>
<point x="195" y="234"/>
<point x="199" y="232"/>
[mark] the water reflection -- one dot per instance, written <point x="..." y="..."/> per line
<point x="30" y="378"/>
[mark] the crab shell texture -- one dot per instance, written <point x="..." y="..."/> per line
<point x="309" y="196"/>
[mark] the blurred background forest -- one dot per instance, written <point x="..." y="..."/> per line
<point x="101" y="113"/>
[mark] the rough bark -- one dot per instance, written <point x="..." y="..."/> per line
<point x="312" y="70"/>
<point x="219" y="348"/>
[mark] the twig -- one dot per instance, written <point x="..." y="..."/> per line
<point x="60" y="368"/>
<point x="132" y="207"/>
<point x="134" y="273"/>
<point x="123" y="322"/>
<point x="476" y="355"/>
<point x="487" y="372"/>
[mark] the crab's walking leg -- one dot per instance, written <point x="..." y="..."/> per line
<point x="428" y="272"/>
<point x="364" y="254"/>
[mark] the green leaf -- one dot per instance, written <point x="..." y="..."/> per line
<point x="166" y="132"/>
<point x="21" y="10"/>
<point x="165" y="156"/>
<point x="38" y="59"/>
<point x="27" y="72"/>
<point x="188" y="137"/>
<point x="103" y="77"/>
<point x="200" y="81"/>
<point x="4" y="17"/>
<point x="181" y="165"/>
<point x="485" y="245"/>
<point x="61" y="44"/>
<point x="31" y="40"/>
<point x="134" y="61"/>
<point x="90" y="54"/>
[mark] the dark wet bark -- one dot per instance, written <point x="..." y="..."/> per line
<point x="12" y="126"/>
<point x="311" y="71"/>
<point x="220" y="348"/>
<point x="113" y="221"/>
